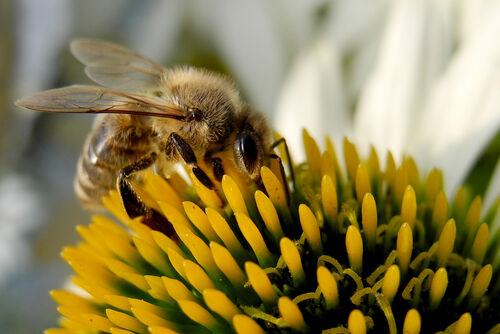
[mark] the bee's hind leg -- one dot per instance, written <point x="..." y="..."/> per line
<point x="134" y="206"/>
<point x="187" y="154"/>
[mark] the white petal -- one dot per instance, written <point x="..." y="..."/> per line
<point x="360" y="68"/>
<point x="414" y="50"/>
<point x="463" y="112"/>
<point x="248" y="40"/>
<point x="355" y="27"/>
<point x="313" y="98"/>
<point x="471" y="14"/>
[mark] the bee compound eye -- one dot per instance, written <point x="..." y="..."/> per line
<point x="248" y="149"/>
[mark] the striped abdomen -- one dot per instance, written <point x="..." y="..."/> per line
<point x="116" y="141"/>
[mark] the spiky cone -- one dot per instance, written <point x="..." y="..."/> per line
<point x="359" y="250"/>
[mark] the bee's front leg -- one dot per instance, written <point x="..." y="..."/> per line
<point x="217" y="168"/>
<point x="177" y="143"/>
<point x="134" y="206"/>
<point x="216" y="163"/>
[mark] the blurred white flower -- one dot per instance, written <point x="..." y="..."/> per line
<point x="430" y="87"/>
<point x="19" y="215"/>
<point x="42" y="29"/>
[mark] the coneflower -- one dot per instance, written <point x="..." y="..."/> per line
<point x="341" y="251"/>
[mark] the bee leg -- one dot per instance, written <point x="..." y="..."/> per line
<point x="217" y="168"/>
<point x="187" y="154"/>
<point x="288" y="157"/>
<point x="133" y="204"/>
<point x="216" y="163"/>
<point x="279" y="163"/>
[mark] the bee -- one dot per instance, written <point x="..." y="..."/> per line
<point x="152" y="116"/>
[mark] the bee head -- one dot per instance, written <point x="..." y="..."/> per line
<point x="211" y="101"/>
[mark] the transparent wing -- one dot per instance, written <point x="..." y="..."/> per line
<point x="92" y="99"/>
<point x="115" y="66"/>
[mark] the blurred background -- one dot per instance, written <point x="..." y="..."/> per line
<point x="259" y="43"/>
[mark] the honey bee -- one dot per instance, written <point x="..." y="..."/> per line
<point x="152" y="116"/>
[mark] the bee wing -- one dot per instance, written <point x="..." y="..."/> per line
<point x="92" y="99"/>
<point x="115" y="66"/>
